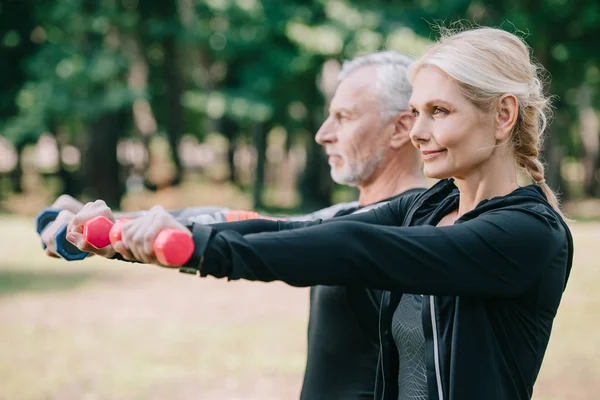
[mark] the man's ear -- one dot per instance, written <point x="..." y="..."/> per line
<point x="507" y="110"/>
<point x="403" y="123"/>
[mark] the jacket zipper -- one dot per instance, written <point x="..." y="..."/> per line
<point x="436" y="350"/>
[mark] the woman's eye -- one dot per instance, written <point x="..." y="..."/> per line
<point x="415" y="113"/>
<point x="439" y="110"/>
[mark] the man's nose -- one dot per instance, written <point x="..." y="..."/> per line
<point x="326" y="133"/>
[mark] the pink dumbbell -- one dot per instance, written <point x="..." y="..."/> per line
<point x="172" y="247"/>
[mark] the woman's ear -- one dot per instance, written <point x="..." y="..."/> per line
<point x="507" y="110"/>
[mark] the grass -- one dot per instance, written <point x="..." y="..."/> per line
<point x="101" y="329"/>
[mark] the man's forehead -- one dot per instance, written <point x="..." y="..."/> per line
<point x="364" y="77"/>
<point x="355" y="90"/>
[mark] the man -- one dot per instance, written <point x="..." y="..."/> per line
<point x="366" y="137"/>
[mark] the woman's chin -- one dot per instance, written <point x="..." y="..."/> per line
<point x="436" y="174"/>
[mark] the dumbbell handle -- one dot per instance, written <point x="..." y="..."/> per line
<point x="64" y="248"/>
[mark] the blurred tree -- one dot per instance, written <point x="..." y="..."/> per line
<point x="162" y="32"/>
<point x="92" y="72"/>
<point x="76" y="84"/>
<point x="589" y="128"/>
<point x="260" y="72"/>
<point x="16" y="27"/>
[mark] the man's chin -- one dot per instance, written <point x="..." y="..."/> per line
<point x="343" y="178"/>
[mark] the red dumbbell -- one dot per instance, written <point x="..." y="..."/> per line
<point x="115" y="231"/>
<point x="96" y="231"/>
<point x="172" y="247"/>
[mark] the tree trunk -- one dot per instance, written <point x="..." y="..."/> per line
<point x="316" y="184"/>
<point x="169" y="110"/>
<point x="589" y="128"/>
<point x="16" y="175"/>
<point x="260" y="143"/>
<point x="70" y="182"/>
<point x="175" y="108"/>
<point x="552" y="155"/>
<point x="230" y="128"/>
<point x="143" y="116"/>
<point x="100" y="166"/>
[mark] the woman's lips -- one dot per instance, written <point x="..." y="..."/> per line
<point x="429" y="154"/>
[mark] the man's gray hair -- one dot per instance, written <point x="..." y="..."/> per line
<point x="392" y="87"/>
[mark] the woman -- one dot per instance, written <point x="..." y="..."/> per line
<point x="490" y="258"/>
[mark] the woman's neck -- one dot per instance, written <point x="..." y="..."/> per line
<point x="495" y="178"/>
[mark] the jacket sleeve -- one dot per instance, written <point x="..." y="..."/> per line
<point x="499" y="253"/>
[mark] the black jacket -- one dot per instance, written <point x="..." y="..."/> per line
<point x="494" y="279"/>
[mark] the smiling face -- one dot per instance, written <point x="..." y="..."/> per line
<point x="454" y="136"/>
<point x="354" y="136"/>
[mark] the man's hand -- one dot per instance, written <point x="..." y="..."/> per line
<point x="70" y="207"/>
<point x="48" y="235"/>
<point x="137" y="236"/>
<point x="66" y="202"/>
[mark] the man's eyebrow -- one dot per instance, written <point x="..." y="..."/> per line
<point x="349" y="110"/>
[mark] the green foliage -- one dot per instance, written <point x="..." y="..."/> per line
<point x="67" y="63"/>
<point x="78" y="69"/>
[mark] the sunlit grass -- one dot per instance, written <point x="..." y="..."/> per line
<point x="101" y="329"/>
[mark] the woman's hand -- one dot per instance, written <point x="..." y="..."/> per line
<point x="75" y="227"/>
<point x="137" y="236"/>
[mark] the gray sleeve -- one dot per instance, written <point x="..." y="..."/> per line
<point x="214" y="215"/>
<point x="324" y="213"/>
<point x="205" y="215"/>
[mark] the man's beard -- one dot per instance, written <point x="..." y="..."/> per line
<point x="353" y="173"/>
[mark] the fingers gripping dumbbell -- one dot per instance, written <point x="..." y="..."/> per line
<point x="172" y="247"/>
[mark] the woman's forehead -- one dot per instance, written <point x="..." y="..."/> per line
<point x="430" y="84"/>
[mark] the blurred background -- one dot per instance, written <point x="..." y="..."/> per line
<point x="216" y="102"/>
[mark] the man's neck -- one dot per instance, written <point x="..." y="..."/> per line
<point x="389" y="182"/>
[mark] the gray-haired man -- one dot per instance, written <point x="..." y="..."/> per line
<point x="366" y="139"/>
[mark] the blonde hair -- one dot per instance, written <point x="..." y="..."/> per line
<point x="487" y="63"/>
